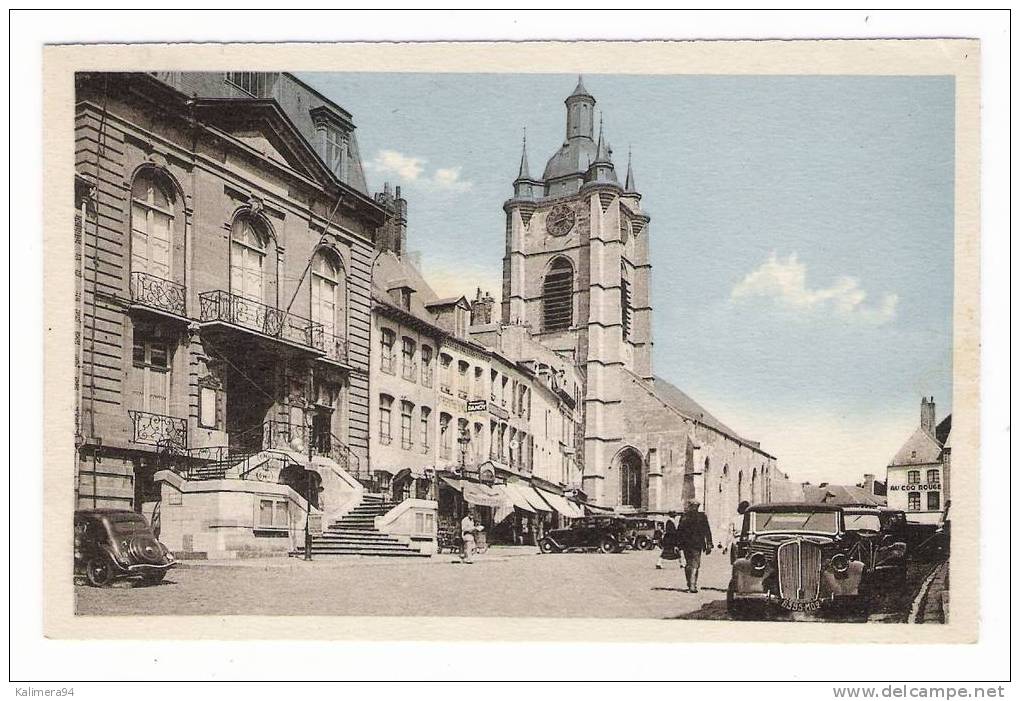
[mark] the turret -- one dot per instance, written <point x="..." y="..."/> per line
<point x="580" y="112"/>
<point x="525" y="187"/>
<point x="601" y="169"/>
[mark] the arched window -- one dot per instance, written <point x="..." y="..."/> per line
<point x="152" y="216"/>
<point x="247" y="259"/>
<point x="328" y="294"/>
<point x="557" y="296"/>
<point x="385" y="419"/>
<point x="406" y="410"/>
<point x="445" y="437"/>
<point x="740" y="486"/>
<point x="425" y="415"/>
<point x="754" y="486"/>
<point x="630" y="479"/>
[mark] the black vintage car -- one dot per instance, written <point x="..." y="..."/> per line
<point x="798" y="557"/>
<point x="604" y="533"/>
<point x="880" y="542"/>
<point x="113" y="543"/>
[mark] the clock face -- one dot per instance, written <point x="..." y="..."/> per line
<point x="560" y="220"/>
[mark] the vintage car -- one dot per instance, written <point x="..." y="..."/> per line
<point x="604" y="533"/>
<point x="798" y="557"/>
<point x="881" y="542"/>
<point x="642" y="533"/>
<point x="113" y="543"/>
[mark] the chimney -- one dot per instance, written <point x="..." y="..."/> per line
<point x="928" y="415"/>
<point x="481" y="308"/>
<point x="869" y="483"/>
<point x="392" y="235"/>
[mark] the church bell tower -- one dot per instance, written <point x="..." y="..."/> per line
<point x="576" y="271"/>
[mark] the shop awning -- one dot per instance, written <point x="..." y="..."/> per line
<point x="452" y="483"/>
<point x="515" y="497"/>
<point x="483" y="495"/>
<point x="598" y="510"/>
<point x="561" y="505"/>
<point x="532" y="497"/>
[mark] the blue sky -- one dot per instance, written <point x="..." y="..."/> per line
<point x="802" y="231"/>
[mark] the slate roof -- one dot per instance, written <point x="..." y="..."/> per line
<point x="684" y="404"/>
<point x="390" y="269"/>
<point x="920" y="449"/>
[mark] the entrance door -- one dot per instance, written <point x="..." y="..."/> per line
<point x="322" y="438"/>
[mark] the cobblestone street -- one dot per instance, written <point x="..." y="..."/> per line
<point x="502" y="582"/>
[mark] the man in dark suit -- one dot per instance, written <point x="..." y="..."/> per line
<point x="693" y="537"/>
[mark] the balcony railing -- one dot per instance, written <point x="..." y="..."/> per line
<point x="159" y="430"/>
<point x="219" y="305"/>
<point x="334" y="346"/>
<point x="277" y="435"/>
<point x="157" y="293"/>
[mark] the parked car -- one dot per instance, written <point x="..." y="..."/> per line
<point x="605" y="533"/>
<point x="114" y="543"/>
<point x="797" y="557"/>
<point x="880" y="542"/>
<point x="642" y="533"/>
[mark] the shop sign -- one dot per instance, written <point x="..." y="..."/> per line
<point x="499" y="411"/>
<point x="315" y="524"/>
<point x="477" y="405"/>
<point x="918" y="487"/>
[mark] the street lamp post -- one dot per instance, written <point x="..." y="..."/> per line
<point x="308" y="471"/>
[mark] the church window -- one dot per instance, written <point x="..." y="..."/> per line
<point x="557" y="296"/>
<point x="625" y="315"/>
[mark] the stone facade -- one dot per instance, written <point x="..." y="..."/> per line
<point x="577" y="274"/>
<point x="224" y="262"/>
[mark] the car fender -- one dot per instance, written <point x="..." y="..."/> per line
<point x="745" y="580"/>
<point x="843" y="583"/>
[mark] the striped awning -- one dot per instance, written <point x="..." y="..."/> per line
<point x="515" y="497"/>
<point x="564" y="507"/>
<point x="533" y="497"/>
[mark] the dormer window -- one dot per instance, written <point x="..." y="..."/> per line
<point x="335" y="150"/>
<point x="252" y="83"/>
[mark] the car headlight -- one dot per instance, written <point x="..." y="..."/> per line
<point x="759" y="562"/>
<point x="840" y="562"/>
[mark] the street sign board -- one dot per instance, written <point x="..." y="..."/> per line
<point x="315" y="524"/>
<point x="477" y="405"/>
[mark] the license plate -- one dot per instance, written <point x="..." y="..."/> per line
<point x="792" y="605"/>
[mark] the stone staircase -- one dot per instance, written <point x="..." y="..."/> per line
<point x="355" y="534"/>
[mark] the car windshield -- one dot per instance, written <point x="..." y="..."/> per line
<point x="817" y="521"/>
<point x="128" y="524"/>
<point x="862" y="522"/>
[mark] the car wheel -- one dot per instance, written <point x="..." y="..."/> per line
<point x="154" y="579"/>
<point x="547" y="546"/>
<point x="99" y="571"/>
<point x="643" y="543"/>
<point x="607" y="545"/>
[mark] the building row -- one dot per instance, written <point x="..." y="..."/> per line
<point x="254" y="343"/>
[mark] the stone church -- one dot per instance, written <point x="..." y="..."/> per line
<point x="577" y="272"/>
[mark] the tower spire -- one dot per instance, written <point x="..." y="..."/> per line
<point x="523" y="173"/>
<point x="602" y="150"/>
<point x="629" y="184"/>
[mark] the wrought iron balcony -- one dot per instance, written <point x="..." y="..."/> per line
<point x="223" y="306"/>
<point x="335" y="347"/>
<point x="156" y="293"/>
<point x="159" y="430"/>
<point x="278" y="435"/>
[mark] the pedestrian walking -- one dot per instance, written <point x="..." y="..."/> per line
<point x="735" y="526"/>
<point x="668" y="542"/>
<point x="693" y="537"/>
<point x="468" y="529"/>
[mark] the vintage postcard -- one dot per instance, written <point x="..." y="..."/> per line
<point x="609" y="341"/>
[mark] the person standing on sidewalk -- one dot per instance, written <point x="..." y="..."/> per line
<point x="668" y="542"/>
<point x="467" y="534"/>
<point x="694" y="537"/>
<point x="736" y="525"/>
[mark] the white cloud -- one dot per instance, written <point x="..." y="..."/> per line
<point x="785" y="282"/>
<point x="407" y="168"/>
<point x="411" y="169"/>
